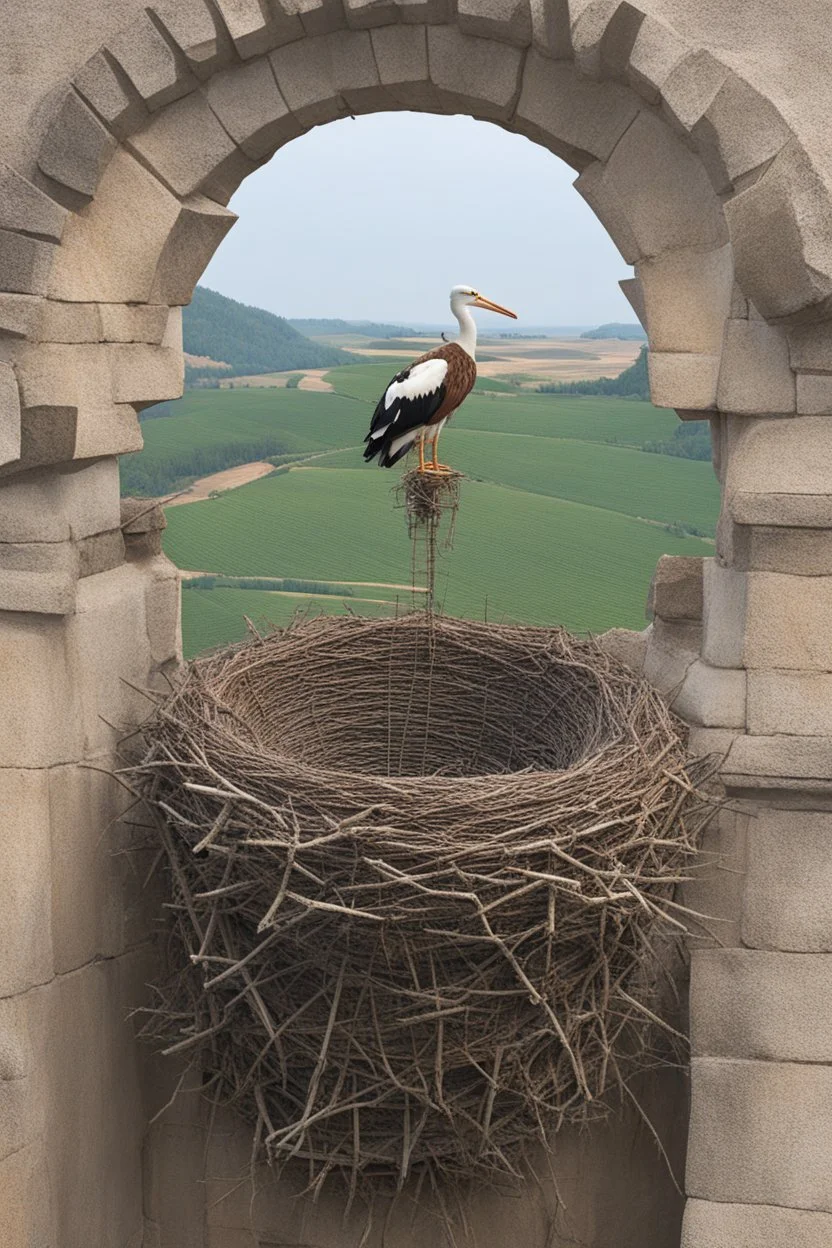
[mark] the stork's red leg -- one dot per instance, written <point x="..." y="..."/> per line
<point x="435" y="465"/>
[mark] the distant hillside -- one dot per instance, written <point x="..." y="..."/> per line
<point x="370" y="329"/>
<point x="632" y="383"/>
<point x="615" y="330"/>
<point x="249" y="340"/>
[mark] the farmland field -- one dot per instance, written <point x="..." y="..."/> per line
<point x="562" y="518"/>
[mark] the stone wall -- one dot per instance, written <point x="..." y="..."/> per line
<point x="698" y="133"/>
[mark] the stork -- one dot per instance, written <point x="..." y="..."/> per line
<point x="420" y="398"/>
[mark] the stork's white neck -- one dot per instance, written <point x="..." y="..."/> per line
<point x="467" y="328"/>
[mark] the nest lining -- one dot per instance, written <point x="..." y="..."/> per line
<point x="418" y="871"/>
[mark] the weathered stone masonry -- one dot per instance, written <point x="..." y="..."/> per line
<point x="699" y="133"/>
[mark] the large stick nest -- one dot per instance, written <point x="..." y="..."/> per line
<point x="419" y="869"/>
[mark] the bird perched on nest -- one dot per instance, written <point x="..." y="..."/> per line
<point x="419" y="399"/>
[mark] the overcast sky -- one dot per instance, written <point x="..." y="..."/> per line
<point x="379" y="216"/>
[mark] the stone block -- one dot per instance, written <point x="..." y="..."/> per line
<point x="687" y="297"/>
<point x="250" y="107"/>
<point x="784" y="764"/>
<point x="109" y="634"/>
<point x="142" y="546"/>
<point x="25" y="207"/>
<point x="724" y="612"/>
<point x="617" y="41"/>
<point x="660" y="189"/>
<point x="198" y="33"/>
<point x="671" y="649"/>
<point x="37" y="672"/>
<point x="715" y="890"/>
<point x="122" y="322"/>
<point x="363" y="14"/>
<point x="9" y="416"/>
<point x="709" y="1224"/>
<point x="100" y="552"/>
<point x="320" y="17"/>
<point x="24" y="1210"/>
<point x="683" y="380"/>
<point x="329" y="77"/>
<point x="77" y="147"/>
<point x="162" y="611"/>
<point x="24" y="263"/>
<point x="93" y="884"/>
<point x="798" y="552"/>
<point x="25" y="880"/>
<point x="68" y="407"/>
<point x="787" y="622"/>
<point x="801" y="511"/>
<point x="676" y="588"/>
<point x="810" y="346"/>
<point x="89" y="497"/>
<point x="750" y="1003"/>
<point x="158" y="74"/>
<point x="188" y="149"/>
<point x="105" y="87"/>
<point x="493" y="19"/>
<point x="142" y="515"/>
<point x="713" y="697"/>
<point x="305" y="77"/>
<point x="789" y="882"/>
<point x="632" y="291"/>
<point x="110" y="252"/>
<point x="796" y="703"/>
<point x="814" y="394"/>
<point x="355" y="73"/>
<point x="738" y="132"/>
<point x="44" y="593"/>
<point x="401" y="56"/>
<point x="609" y="208"/>
<point x="143" y="373"/>
<point x="19" y="315"/>
<point x="625" y="646"/>
<point x="256" y="28"/>
<point x="474" y="74"/>
<point x="691" y="87"/>
<point x="68" y="322"/>
<point x="200" y="227"/>
<point x="780" y="230"/>
<point x="577" y="119"/>
<point x="760" y="1133"/>
<point x="30" y="512"/>
<point x="90" y="1064"/>
<point x="550" y="28"/>
<point x="601" y="35"/>
<point x="755" y="377"/>
<point x="782" y="459"/>
<point x="655" y="53"/>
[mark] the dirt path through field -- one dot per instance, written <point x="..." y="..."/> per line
<point x="314" y="380"/>
<point x="228" y="479"/>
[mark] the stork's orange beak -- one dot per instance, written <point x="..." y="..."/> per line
<point x="481" y="302"/>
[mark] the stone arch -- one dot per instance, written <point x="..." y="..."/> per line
<point x="710" y="191"/>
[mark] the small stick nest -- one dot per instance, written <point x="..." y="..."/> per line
<point x="428" y="496"/>
<point x="418" y="871"/>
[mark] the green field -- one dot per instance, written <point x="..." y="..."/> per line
<point x="561" y="519"/>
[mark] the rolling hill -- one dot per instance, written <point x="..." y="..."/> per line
<point x="248" y="340"/>
<point x="615" y="330"/>
<point x="317" y="327"/>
